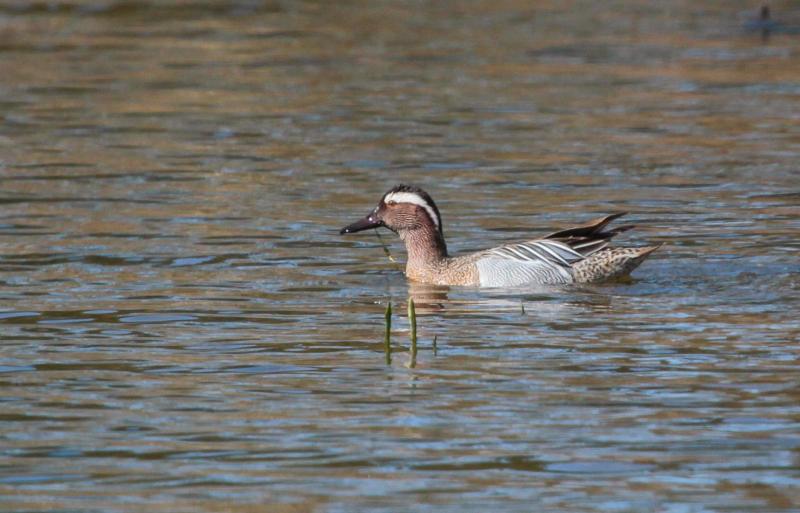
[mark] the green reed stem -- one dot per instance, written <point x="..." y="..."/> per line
<point x="412" y="320"/>
<point x="522" y="307"/>
<point x="387" y="336"/>
<point x="434" y="345"/>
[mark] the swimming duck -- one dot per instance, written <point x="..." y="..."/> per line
<point x="575" y="255"/>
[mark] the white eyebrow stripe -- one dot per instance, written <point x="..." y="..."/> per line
<point x="416" y="199"/>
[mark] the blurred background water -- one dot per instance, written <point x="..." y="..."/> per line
<point x="183" y="329"/>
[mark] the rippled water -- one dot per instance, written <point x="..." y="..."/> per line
<point x="183" y="329"/>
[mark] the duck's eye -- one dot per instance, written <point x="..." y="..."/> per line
<point x="391" y="203"/>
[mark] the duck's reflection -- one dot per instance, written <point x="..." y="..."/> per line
<point x="427" y="298"/>
<point x="543" y="301"/>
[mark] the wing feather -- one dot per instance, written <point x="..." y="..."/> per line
<point x="550" y="252"/>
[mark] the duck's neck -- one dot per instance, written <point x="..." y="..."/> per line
<point x="425" y="247"/>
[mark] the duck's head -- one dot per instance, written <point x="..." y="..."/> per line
<point x="403" y="209"/>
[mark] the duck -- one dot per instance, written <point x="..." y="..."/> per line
<point x="581" y="254"/>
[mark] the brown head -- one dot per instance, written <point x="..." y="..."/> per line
<point x="408" y="211"/>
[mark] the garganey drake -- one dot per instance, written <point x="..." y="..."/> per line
<point x="576" y="255"/>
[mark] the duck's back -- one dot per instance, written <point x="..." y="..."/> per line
<point x="576" y="255"/>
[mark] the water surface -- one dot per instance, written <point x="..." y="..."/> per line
<point x="183" y="329"/>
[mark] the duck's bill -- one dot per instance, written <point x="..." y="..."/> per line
<point x="362" y="224"/>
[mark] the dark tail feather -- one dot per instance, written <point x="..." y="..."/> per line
<point x="616" y="231"/>
<point x="593" y="229"/>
